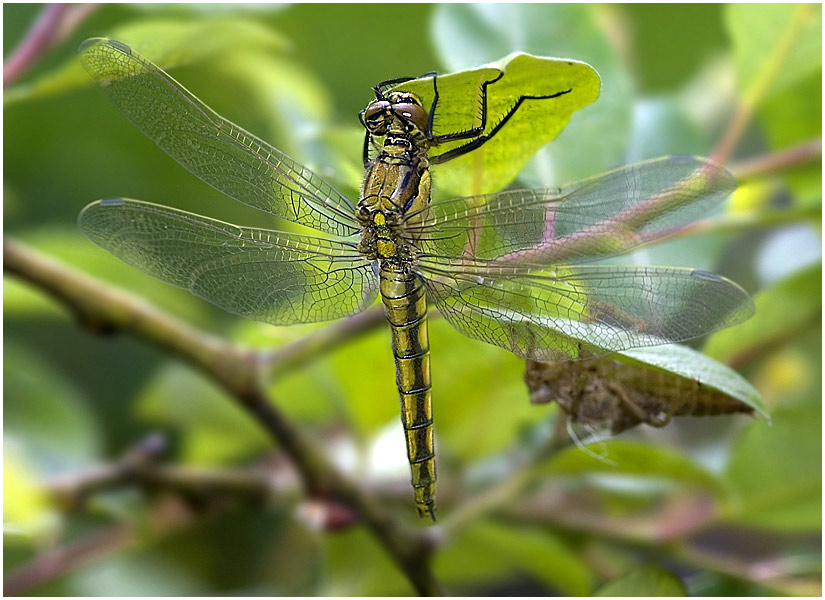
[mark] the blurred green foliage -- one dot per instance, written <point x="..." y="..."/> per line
<point x="673" y="78"/>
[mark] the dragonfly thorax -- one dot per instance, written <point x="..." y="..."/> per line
<point x="381" y="239"/>
<point x="397" y="181"/>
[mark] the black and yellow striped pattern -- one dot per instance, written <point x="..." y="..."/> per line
<point x="405" y="305"/>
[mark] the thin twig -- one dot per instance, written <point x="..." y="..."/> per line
<point x="760" y="86"/>
<point x="772" y="573"/>
<point x="59" y="561"/>
<point x="168" y="515"/>
<point x="71" y="491"/>
<point x="53" y="24"/>
<point x="239" y="371"/>
<point x="768" y="164"/>
<point x="294" y="354"/>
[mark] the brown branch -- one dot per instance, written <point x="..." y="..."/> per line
<point x="139" y="466"/>
<point x="768" y="164"/>
<point x="294" y="354"/>
<point x="71" y="491"/>
<point x="761" y="85"/>
<point x="53" y="24"/>
<point x="240" y="371"/>
<point x="772" y="574"/>
<point x="669" y="531"/>
<point x="59" y="561"/>
<point x="166" y="516"/>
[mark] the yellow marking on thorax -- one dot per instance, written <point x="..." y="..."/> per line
<point x="386" y="247"/>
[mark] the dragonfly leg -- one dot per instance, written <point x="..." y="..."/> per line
<point x="482" y="139"/>
<point x="468" y="133"/>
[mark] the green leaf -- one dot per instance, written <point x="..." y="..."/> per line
<point x="794" y="115"/>
<point x="476" y="388"/>
<point x="21" y="299"/>
<point x="649" y="582"/>
<point x="632" y="459"/>
<point x="681" y="362"/>
<point x="358" y="566"/>
<point x="559" y="87"/>
<point x="27" y="514"/>
<point x="167" y="42"/>
<point x="488" y="551"/>
<point x="784" y="308"/>
<point x="596" y="139"/>
<point x="214" y="428"/>
<point x="774" y="45"/>
<point x="145" y="572"/>
<point x="372" y="401"/>
<point x="48" y="417"/>
<point x="663" y="42"/>
<point x="209" y="9"/>
<point x="776" y="471"/>
<point x="287" y="103"/>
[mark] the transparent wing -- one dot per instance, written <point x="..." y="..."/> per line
<point x="217" y="151"/>
<point x="271" y="276"/>
<point x="595" y="218"/>
<point x="582" y="311"/>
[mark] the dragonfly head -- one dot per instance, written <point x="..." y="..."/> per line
<point x="396" y="108"/>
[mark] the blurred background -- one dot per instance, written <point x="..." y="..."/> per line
<point x="708" y="506"/>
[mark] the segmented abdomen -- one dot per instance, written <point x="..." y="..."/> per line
<point x="405" y="305"/>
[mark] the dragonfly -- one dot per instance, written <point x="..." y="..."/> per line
<point x="508" y="268"/>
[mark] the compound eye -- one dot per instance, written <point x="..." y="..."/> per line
<point x="375" y="116"/>
<point x="412" y="113"/>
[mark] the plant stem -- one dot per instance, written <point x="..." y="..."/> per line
<point x="52" y="564"/>
<point x="768" y="164"/>
<point x="239" y="370"/>
<point x="756" y="93"/>
<point x="294" y="354"/>
<point x="52" y="25"/>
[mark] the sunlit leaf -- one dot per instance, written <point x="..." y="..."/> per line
<point x="648" y="582"/>
<point x="476" y="387"/>
<point x="596" y="138"/>
<point x="684" y="363"/>
<point x="794" y="115"/>
<point x="214" y="428"/>
<point x="27" y="511"/>
<point x="554" y="90"/>
<point x="169" y="43"/>
<point x="292" y="105"/>
<point x="627" y="458"/>
<point x="777" y="471"/>
<point x="370" y="401"/>
<point x="488" y="551"/>
<point x="21" y="299"/>
<point x="348" y="552"/>
<point x="664" y="51"/>
<point x="774" y="45"/>
<point x="49" y="417"/>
